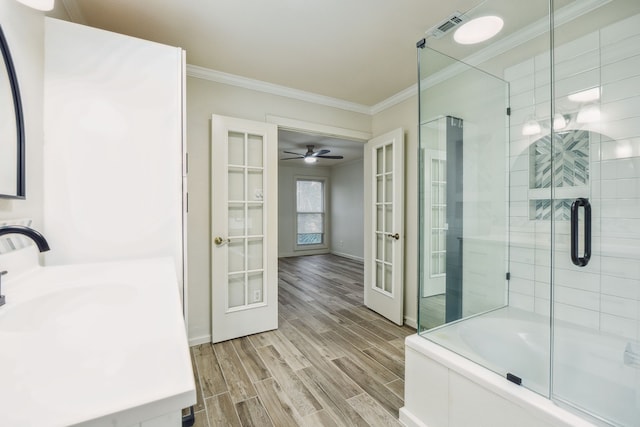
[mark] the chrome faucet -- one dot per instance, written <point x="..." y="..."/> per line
<point x="38" y="238"/>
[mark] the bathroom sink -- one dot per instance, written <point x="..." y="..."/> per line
<point x="93" y="345"/>
<point x="63" y="309"/>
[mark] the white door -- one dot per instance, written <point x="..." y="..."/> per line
<point x="384" y="225"/>
<point x="244" y="226"/>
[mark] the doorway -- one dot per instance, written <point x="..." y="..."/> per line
<point x="320" y="196"/>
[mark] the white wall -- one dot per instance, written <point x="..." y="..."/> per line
<point x="347" y="209"/>
<point x="203" y="99"/>
<point x="287" y="207"/>
<point x="24" y="30"/>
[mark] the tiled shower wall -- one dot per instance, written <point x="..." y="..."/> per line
<point x="605" y="295"/>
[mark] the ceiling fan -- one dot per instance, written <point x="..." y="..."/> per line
<point x="311" y="156"/>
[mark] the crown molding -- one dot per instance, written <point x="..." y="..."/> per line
<point x="74" y="12"/>
<point x="395" y="99"/>
<point x="274" y="89"/>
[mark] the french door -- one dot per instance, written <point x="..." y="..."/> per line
<point x="384" y="225"/>
<point x="244" y="226"/>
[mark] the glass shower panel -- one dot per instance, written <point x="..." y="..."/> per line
<point x="463" y="163"/>
<point x="466" y="165"/>
<point x="596" y="185"/>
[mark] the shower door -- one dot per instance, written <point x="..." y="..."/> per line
<point x="596" y="185"/>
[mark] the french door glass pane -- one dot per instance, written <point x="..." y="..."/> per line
<point x="236" y="290"/>
<point x="236" y="148"/>
<point x="254" y="150"/>
<point x="245" y="220"/>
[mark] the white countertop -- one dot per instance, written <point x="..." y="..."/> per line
<point x="93" y="345"/>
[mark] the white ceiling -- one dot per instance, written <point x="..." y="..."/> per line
<point x="361" y="51"/>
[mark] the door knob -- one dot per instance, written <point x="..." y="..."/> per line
<point x="395" y="236"/>
<point x="220" y="241"/>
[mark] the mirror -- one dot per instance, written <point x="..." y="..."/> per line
<point x="12" y="176"/>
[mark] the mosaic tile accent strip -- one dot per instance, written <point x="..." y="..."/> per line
<point x="571" y="159"/>
<point x="542" y="209"/>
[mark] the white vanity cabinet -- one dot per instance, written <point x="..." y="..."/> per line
<point x="115" y="166"/>
<point x="93" y="345"/>
<point x="114" y="153"/>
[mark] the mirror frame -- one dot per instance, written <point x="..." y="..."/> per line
<point x="17" y="105"/>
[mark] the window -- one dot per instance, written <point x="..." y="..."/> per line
<point x="310" y="208"/>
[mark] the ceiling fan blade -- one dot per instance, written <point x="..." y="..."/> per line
<point x="295" y="154"/>
<point x="330" y="157"/>
<point x="320" y="153"/>
<point x="293" y="158"/>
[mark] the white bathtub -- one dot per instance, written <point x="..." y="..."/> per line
<point x="445" y="388"/>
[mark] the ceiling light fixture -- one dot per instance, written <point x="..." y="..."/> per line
<point x="44" y="5"/>
<point x="478" y="30"/>
<point x="588" y="95"/>
<point x="310" y="160"/>
<point x="531" y="127"/>
<point x="559" y="121"/>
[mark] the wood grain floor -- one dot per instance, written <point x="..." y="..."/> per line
<point x="432" y="311"/>
<point x="331" y="362"/>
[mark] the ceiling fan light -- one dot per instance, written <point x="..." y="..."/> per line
<point x="310" y="160"/>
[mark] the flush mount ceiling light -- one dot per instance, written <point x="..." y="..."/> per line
<point x="478" y="30"/>
<point x="588" y="95"/>
<point x="44" y="5"/>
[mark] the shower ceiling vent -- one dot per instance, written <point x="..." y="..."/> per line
<point x="445" y="26"/>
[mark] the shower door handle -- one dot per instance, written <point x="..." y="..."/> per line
<point x="578" y="260"/>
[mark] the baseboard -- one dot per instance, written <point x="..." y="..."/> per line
<point x="303" y="253"/>
<point x="348" y="256"/>
<point x="410" y="321"/>
<point x="199" y="340"/>
<point x="409" y="420"/>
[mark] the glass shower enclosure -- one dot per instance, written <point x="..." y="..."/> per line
<point x="529" y="199"/>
